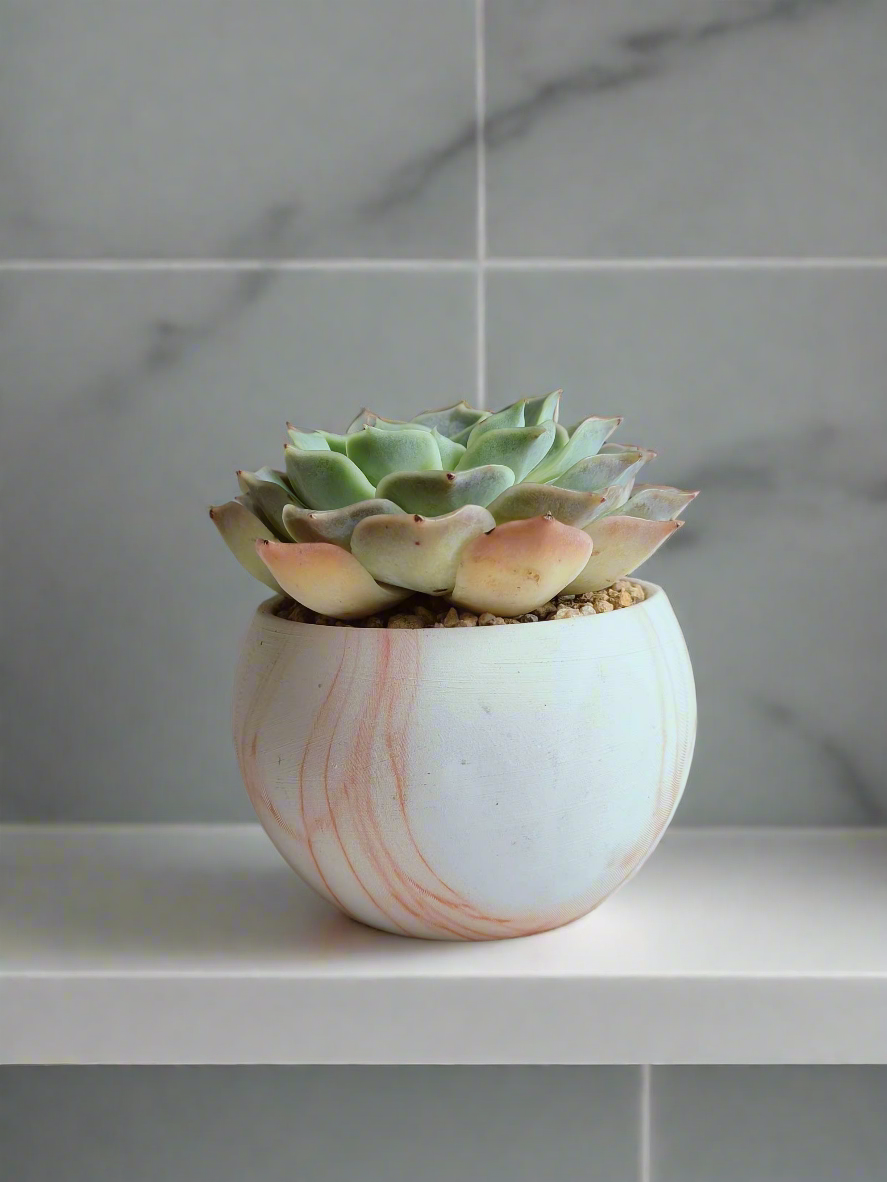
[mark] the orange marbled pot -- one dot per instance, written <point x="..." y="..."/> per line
<point x="467" y="784"/>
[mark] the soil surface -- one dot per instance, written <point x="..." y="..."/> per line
<point x="427" y="611"/>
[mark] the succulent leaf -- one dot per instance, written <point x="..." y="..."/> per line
<point x="240" y="530"/>
<point x="586" y="440"/>
<point x="535" y="500"/>
<point x="247" y="480"/>
<point x="450" y="451"/>
<point x="518" y="448"/>
<point x="326" y="579"/>
<point x="307" y="440"/>
<point x="364" y="418"/>
<point x="335" y="442"/>
<point x="326" y="479"/>
<point x="537" y="410"/>
<point x="332" y="525"/>
<point x="597" y="472"/>
<point x="464" y="435"/>
<point x="561" y="439"/>
<point x="420" y="553"/>
<point x="434" y="493"/>
<point x="451" y="420"/>
<point x="621" y="544"/>
<point x="378" y="452"/>
<point x="657" y="502"/>
<point x="519" y="566"/>
<point x="615" y="496"/>
<point x="509" y="416"/>
<point x="268" y="493"/>
<point x="369" y="418"/>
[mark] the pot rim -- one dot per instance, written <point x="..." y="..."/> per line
<point x="267" y="609"/>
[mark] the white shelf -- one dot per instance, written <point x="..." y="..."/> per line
<point x="195" y="944"/>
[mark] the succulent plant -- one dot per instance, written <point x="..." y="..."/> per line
<point x="495" y="512"/>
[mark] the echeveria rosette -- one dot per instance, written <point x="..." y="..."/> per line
<point x="494" y="512"/>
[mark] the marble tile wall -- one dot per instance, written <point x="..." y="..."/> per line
<point x="321" y="1124"/>
<point x="132" y="399"/>
<point x="443" y="1124"/>
<point x="216" y="215"/>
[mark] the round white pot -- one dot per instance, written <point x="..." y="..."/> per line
<point x="467" y="783"/>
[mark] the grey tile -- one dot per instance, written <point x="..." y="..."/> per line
<point x="129" y="401"/>
<point x="322" y="1124"/>
<point x="765" y="390"/>
<point x="686" y="127"/>
<point x="769" y="1124"/>
<point x="214" y="128"/>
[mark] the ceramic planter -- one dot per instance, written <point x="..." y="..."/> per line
<point x="467" y="783"/>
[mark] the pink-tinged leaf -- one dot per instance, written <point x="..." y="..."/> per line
<point x="519" y="566"/>
<point x="240" y="530"/>
<point x="421" y="553"/>
<point x="326" y="579"/>
<point x="657" y="502"/>
<point x="615" y="496"/>
<point x="621" y="544"/>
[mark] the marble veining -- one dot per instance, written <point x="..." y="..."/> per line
<point x="638" y="55"/>
<point x="158" y="131"/>
<point x="691" y="127"/>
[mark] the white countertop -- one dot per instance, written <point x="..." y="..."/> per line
<point x="196" y="944"/>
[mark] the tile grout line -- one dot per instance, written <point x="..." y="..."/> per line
<point x="726" y="263"/>
<point x="323" y="265"/>
<point x="481" y="263"/>
<point x="645" y="1163"/>
<point x="480" y="103"/>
